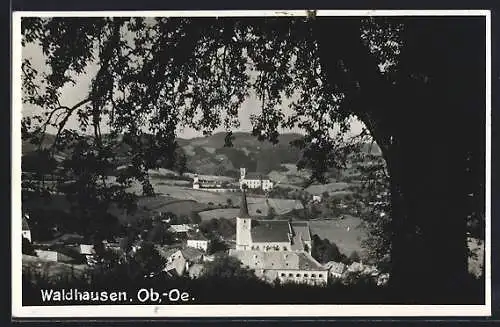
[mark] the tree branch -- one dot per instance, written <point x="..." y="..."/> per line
<point x="65" y="119"/>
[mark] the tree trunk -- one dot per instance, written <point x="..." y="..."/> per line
<point x="429" y="252"/>
<point x="426" y="124"/>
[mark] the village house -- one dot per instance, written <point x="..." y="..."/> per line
<point x="199" y="183"/>
<point x="270" y="235"/>
<point x="198" y="241"/>
<point x="179" y="261"/>
<point x="88" y="251"/>
<point x="213" y="184"/>
<point x="254" y="180"/>
<point x="54" y="256"/>
<point x="180" y="229"/>
<point x="335" y="269"/>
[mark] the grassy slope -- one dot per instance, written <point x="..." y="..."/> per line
<point x="337" y="231"/>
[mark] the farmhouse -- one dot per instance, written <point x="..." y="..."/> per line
<point x="254" y="181"/>
<point x="178" y="261"/>
<point x="270" y="235"/>
<point x="199" y="183"/>
<point x="88" y="251"/>
<point x="213" y="185"/>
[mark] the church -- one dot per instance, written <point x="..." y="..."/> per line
<point x="276" y="249"/>
<point x="270" y="235"/>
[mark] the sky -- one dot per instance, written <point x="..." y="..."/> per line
<point x="72" y="94"/>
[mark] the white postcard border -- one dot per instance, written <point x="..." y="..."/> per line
<point x="186" y="311"/>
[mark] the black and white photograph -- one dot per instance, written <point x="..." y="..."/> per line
<point x="251" y="163"/>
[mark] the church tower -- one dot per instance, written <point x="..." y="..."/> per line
<point x="243" y="225"/>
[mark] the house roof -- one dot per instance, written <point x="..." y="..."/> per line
<point x="178" y="265"/>
<point x="182" y="228"/>
<point x="256" y="176"/>
<point x="191" y="254"/>
<point x="276" y="260"/>
<point x="166" y="252"/>
<point x="307" y="262"/>
<point x="278" y="230"/>
<point x="335" y="267"/>
<point x="270" y="231"/>
<point x="301" y="228"/>
<point x="197" y="236"/>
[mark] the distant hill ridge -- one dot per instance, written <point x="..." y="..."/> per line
<point x="208" y="155"/>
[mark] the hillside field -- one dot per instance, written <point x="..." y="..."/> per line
<point x="319" y="189"/>
<point x="257" y="207"/>
<point x="229" y="213"/>
<point x="336" y="231"/>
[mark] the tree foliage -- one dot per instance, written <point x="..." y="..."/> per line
<point x="324" y="251"/>
<point x="227" y="267"/>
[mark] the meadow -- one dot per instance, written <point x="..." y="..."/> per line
<point x="319" y="189"/>
<point x="346" y="233"/>
<point x="257" y="207"/>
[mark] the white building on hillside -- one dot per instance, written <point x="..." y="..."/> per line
<point x="205" y="183"/>
<point x="198" y="241"/>
<point x="254" y="181"/>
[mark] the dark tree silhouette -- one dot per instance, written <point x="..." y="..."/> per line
<point x="325" y="251"/>
<point x="27" y="247"/>
<point x="226" y="267"/>
<point x="417" y="84"/>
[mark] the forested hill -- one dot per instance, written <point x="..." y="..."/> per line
<point x="208" y="155"/>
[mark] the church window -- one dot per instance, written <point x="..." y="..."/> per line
<point x="306" y="275"/>
<point x="282" y="274"/>
<point x="313" y="275"/>
<point x="290" y="275"/>
<point x="298" y="275"/>
<point x="320" y="275"/>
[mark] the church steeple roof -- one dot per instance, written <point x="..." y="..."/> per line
<point x="244" y="205"/>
